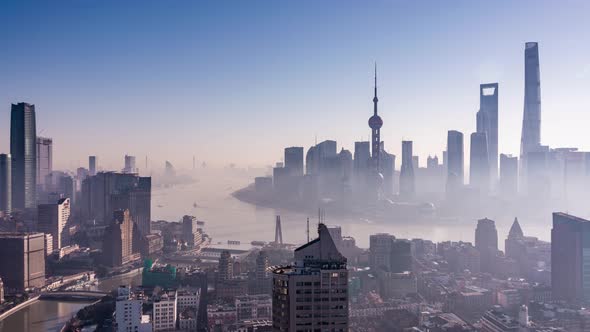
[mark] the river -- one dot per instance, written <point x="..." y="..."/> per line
<point x="47" y="315"/>
<point x="230" y="219"/>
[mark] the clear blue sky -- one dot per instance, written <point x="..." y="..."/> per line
<point x="239" y="80"/>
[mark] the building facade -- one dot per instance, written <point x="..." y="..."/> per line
<point x="23" y="149"/>
<point x="23" y="261"/>
<point x="312" y="294"/>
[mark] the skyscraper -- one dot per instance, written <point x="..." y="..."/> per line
<point x="455" y="161"/>
<point x="225" y="267"/>
<point x="508" y="176"/>
<point x="190" y="232"/>
<point x="531" y="121"/>
<point x="92" y="165"/>
<point x="479" y="167"/>
<point x="118" y="240"/>
<point x="300" y="290"/>
<point x="44" y="160"/>
<point x="23" y="140"/>
<point x="5" y="183"/>
<point x="380" y="251"/>
<point x="294" y="160"/>
<point x="53" y="219"/>
<point x="570" y="258"/>
<point x="407" y="185"/>
<point x="108" y="191"/>
<point x="23" y="261"/>
<point x="487" y="122"/>
<point x="486" y="242"/>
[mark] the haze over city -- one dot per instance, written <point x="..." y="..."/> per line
<point x="294" y="166"/>
<point x="236" y="82"/>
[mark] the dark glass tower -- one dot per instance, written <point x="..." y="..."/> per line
<point x="23" y="148"/>
<point x="5" y="183"/>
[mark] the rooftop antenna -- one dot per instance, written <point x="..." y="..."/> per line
<point x="308" y="230"/>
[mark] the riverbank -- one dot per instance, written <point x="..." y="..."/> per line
<point x="18" y="307"/>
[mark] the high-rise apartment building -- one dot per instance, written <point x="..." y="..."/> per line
<point x="407" y="183"/>
<point x="23" y="261"/>
<point x="299" y="291"/>
<point x="487" y="122"/>
<point x="294" y="161"/>
<point x="23" y="149"/>
<point x="92" y="165"/>
<point x="263" y="281"/>
<point x="570" y="258"/>
<point x="455" y="161"/>
<point x="44" y="160"/>
<point x="190" y="231"/>
<point x="531" y="121"/>
<point x="225" y="267"/>
<point x="53" y="219"/>
<point x="118" y="240"/>
<point x="486" y="242"/>
<point x="479" y="166"/>
<point x="109" y="191"/>
<point x="5" y="183"/>
<point x="380" y="251"/>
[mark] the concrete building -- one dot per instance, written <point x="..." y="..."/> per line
<point x="118" y="240"/>
<point x="165" y="311"/>
<point x="23" y="261"/>
<point x="190" y="232"/>
<point x="53" y="219"/>
<point x="455" y="161"/>
<point x="23" y="149"/>
<point x="263" y="280"/>
<point x="129" y="316"/>
<point x="130" y="165"/>
<point x="106" y="192"/>
<point x="5" y="184"/>
<point x="44" y="160"/>
<point x="298" y="290"/>
<point x="188" y="298"/>
<point x="225" y="267"/>
<point x="380" y="251"/>
<point x="249" y="307"/>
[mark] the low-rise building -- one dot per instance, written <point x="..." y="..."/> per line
<point x="165" y="311"/>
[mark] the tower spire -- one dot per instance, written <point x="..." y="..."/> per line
<point x="375" y="99"/>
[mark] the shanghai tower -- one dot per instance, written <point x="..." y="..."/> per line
<point x="531" y="121"/>
<point x="23" y="148"/>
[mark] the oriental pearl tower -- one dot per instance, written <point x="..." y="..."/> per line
<point x="375" y="123"/>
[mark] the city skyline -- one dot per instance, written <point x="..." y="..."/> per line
<point x="311" y="90"/>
